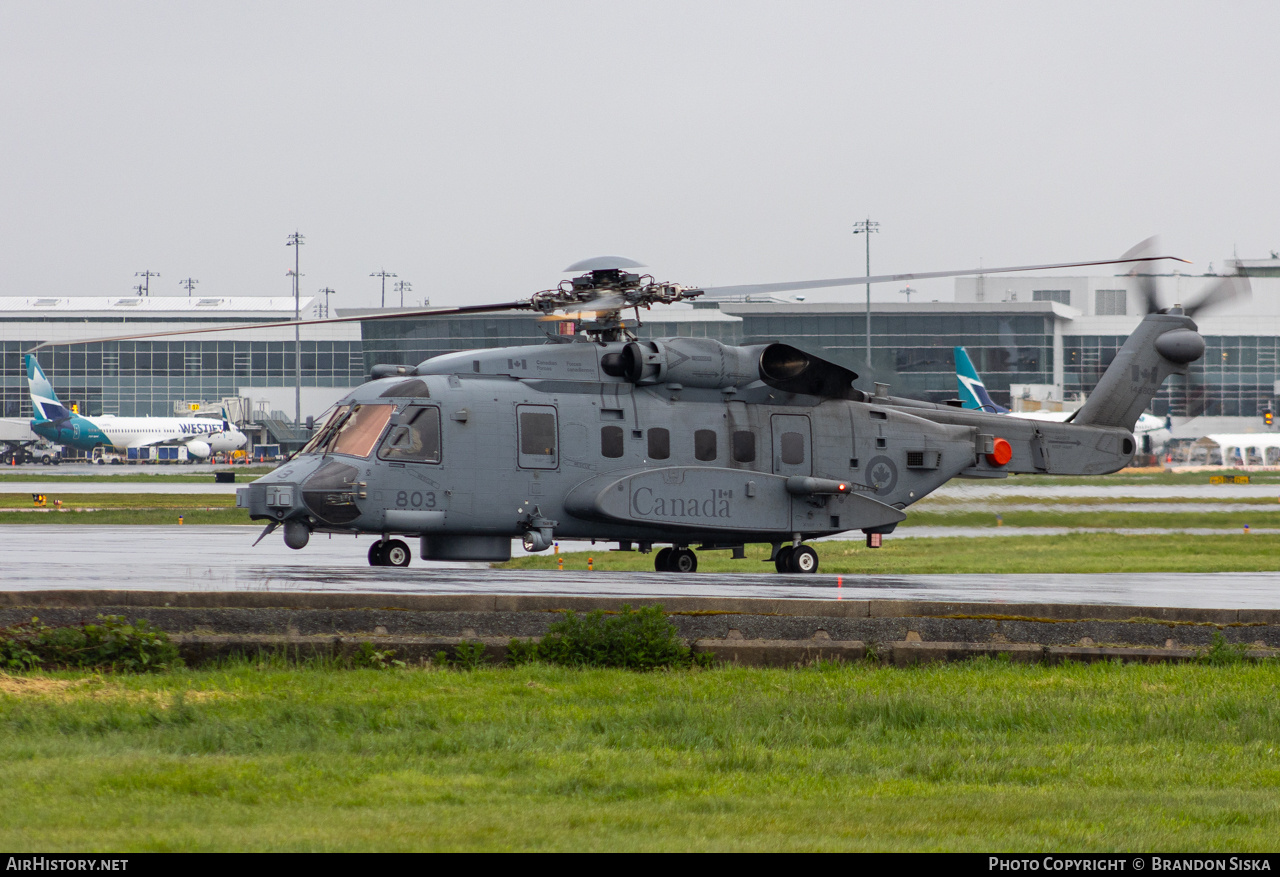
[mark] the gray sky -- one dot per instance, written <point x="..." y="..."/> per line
<point x="477" y="148"/>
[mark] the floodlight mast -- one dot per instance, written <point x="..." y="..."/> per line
<point x="146" y="280"/>
<point x="189" y="283"/>
<point x="296" y="240"/>
<point x="384" y="274"/>
<point x="403" y="286"/>
<point x="868" y="228"/>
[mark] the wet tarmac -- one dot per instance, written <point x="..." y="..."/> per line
<point x="221" y="558"/>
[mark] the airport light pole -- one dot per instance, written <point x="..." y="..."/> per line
<point x="140" y="290"/>
<point x="907" y="291"/>
<point x="327" y="292"/>
<point x="402" y="287"/>
<point x="384" y="274"/>
<point x="146" y="280"/>
<point x="296" y="240"/>
<point x="189" y="283"/>
<point x="867" y="228"/>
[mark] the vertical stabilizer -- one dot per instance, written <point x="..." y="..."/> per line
<point x="43" y="400"/>
<point x="1162" y="345"/>
<point x="973" y="393"/>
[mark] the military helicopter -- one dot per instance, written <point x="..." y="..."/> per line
<point x="679" y="444"/>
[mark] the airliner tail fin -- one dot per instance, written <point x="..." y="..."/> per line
<point x="973" y="393"/>
<point x="43" y="400"/>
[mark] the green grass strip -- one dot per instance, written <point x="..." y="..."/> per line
<point x="192" y="515"/>
<point x="1069" y="553"/>
<point x="121" y="500"/>
<point x="1267" y="516"/>
<point x="972" y="757"/>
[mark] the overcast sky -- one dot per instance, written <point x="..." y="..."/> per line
<point x="477" y="148"/>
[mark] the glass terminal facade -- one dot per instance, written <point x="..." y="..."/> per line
<point x="136" y="378"/>
<point x="1235" y="378"/>
<point x="911" y="350"/>
<point x="409" y="342"/>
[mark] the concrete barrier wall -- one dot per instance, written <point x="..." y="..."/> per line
<point x="747" y="630"/>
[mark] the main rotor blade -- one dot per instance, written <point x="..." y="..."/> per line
<point x="371" y="318"/>
<point x="716" y="293"/>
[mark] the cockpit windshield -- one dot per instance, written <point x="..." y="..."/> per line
<point x="353" y="430"/>
<point x="325" y="433"/>
<point x="358" y="432"/>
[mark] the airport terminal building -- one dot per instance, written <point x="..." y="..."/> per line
<point x="1019" y="330"/>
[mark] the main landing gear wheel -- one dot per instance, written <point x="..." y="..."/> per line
<point x="682" y="560"/>
<point x="803" y="559"/>
<point x="661" y="558"/>
<point x="393" y="552"/>
<point x="396" y="553"/>
<point x="782" y="560"/>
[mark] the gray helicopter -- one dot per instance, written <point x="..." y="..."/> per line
<point x="678" y="443"/>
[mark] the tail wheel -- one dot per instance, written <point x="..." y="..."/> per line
<point x="682" y="560"/>
<point x="375" y="554"/>
<point x="803" y="560"/>
<point x="396" y="553"/>
<point x="662" y="560"/>
<point x="782" y="560"/>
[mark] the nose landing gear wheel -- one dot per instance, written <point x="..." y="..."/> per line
<point x="782" y="560"/>
<point x="803" y="560"/>
<point x="682" y="560"/>
<point x="661" y="559"/>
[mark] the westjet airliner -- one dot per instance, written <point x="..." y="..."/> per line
<point x="201" y="436"/>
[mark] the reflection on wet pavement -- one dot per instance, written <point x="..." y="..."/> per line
<point x="220" y="558"/>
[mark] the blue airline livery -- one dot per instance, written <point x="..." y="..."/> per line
<point x="201" y="436"/>
<point x="973" y="393"/>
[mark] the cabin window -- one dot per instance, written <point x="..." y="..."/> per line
<point x="415" y="437"/>
<point x="659" y="443"/>
<point x="358" y="433"/>
<point x="744" y="446"/>
<point x="704" y="445"/>
<point x="611" y="441"/>
<point x="793" y="448"/>
<point x="537" y="440"/>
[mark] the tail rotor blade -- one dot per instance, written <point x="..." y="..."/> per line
<point x="1221" y="292"/>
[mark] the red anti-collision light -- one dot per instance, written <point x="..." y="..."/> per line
<point x="1001" y="453"/>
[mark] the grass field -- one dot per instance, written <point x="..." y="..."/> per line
<point x="122" y="500"/>
<point x="192" y="515"/>
<point x="1264" y="516"/>
<point x="1068" y="553"/>
<point x="977" y="756"/>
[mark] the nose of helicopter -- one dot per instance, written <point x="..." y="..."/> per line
<point x="310" y="492"/>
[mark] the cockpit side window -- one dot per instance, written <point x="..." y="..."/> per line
<point x="414" y="438"/>
<point x="359" y="432"/>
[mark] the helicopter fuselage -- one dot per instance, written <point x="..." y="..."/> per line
<point x="682" y="441"/>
